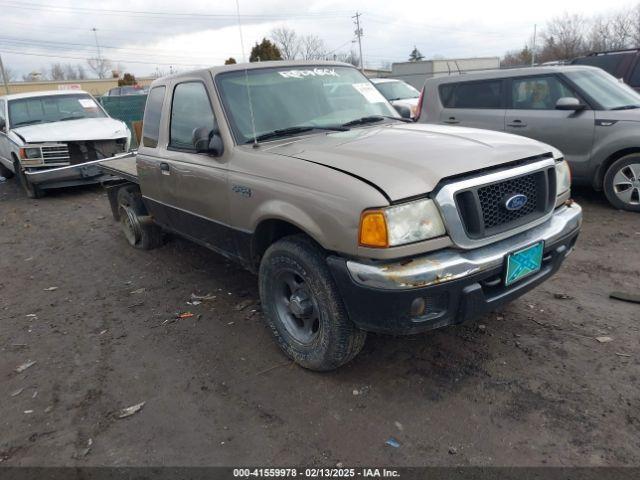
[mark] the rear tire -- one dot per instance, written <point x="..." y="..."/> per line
<point x="138" y="227"/>
<point x="622" y="183"/>
<point x="32" y="191"/>
<point x="303" y="307"/>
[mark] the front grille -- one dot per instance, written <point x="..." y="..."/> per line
<point x="55" y="154"/>
<point x="483" y="208"/>
<point x="492" y="198"/>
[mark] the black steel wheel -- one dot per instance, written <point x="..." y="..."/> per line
<point x="303" y="307"/>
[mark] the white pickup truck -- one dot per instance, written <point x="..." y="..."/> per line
<point x="51" y="129"/>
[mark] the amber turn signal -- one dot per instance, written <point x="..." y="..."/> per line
<point x="373" y="229"/>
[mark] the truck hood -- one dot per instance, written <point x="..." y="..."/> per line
<point x="405" y="160"/>
<point x="74" y="130"/>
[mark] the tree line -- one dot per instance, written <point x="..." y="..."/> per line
<point x="572" y="35"/>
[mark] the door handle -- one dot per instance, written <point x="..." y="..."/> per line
<point x="165" y="169"/>
<point x="517" y="124"/>
<point x="452" y="121"/>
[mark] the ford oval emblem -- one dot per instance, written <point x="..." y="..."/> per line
<point x="516" y="202"/>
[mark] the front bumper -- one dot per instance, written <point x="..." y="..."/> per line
<point x="455" y="285"/>
<point x="82" y="173"/>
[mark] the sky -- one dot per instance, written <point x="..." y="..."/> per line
<point x="145" y="37"/>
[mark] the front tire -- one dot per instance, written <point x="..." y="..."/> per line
<point x="622" y="183"/>
<point x="303" y="308"/>
<point x="32" y="191"/>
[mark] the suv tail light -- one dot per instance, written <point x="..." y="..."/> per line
<point x="419" y="107"/>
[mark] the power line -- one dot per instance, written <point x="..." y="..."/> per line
<point x="40" y="6"/>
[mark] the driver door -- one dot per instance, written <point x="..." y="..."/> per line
<point x="531" y="113"/>
<point x="198" y="181"/>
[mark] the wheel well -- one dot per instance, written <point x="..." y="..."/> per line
<point x="604" y="166"/>
<point x="267" y="233"/>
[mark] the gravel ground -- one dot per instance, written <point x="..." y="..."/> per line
<point x="526" y="385"/>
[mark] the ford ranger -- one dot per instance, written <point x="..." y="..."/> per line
<point x="353" y="219"/>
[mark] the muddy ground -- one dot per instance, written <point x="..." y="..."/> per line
<point x="526" y="385"/>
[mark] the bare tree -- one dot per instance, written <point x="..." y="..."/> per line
<point x="82" y="74"/>
<point x="312" y="48"/>
<point x="287" y="41"/>
<point x="57" y="72"/>
<point x="517" y="58"/>
<point x="564" y="37"/>
<point x="351" y="57"/>
<point x="100" y="66"/>
<point x="622" y="26"/>
<point x="11" y="75"/>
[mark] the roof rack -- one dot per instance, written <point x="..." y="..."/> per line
<point x="623" y="50"/>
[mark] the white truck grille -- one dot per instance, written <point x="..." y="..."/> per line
<point x="54" y="154"/>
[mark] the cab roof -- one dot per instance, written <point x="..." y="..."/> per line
<point x="42" y="93"/>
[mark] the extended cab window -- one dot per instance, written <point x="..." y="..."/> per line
<point x="537" y="93"/>
<point x="2" y="110"/>
<point x="486" y="94"/>
<point x="190" y="109"/>
<point x="151" y="121"/>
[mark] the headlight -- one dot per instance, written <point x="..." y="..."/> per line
<point x="400" y="224"/>
<point x="563" y="177"/>
<point x="31" y="153"/>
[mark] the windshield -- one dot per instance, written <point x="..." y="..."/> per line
<point x="53" y="108"/>
<point x="311" y="96"/>
<point x="397" y="90"/>
<point x="604" y="89"/>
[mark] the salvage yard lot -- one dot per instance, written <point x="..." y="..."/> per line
<point x="526" y="385"/>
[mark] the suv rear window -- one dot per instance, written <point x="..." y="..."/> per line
<point x="151" y="121"/>
<point x="485" y="94"/>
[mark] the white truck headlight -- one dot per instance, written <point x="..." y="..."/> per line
<point x="563" y="177"/>
<point x="32" y="152"/>
<point x="400" y="224"/>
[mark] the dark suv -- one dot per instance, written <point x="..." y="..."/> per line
<point x="623" y="64"/>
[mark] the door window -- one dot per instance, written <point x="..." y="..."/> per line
<point x="151" y="121"/>
<point x="190" y="109"/>
<point x="2" y="117"/>
<point x="486" y="94"/>
<point x="537" y="93"/>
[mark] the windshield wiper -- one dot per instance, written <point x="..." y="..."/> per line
<point x="626" y="107"/>
<point x="26" y="122"/>
<point x="75" y="117"/>
<point x="283" y="132"/>
<point x="374" y="119"/>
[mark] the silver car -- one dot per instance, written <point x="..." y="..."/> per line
<point x="399" y="94"/>
<point x="583" y="111"/>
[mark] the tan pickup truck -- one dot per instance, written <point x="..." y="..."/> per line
<point x="354" y="219"/>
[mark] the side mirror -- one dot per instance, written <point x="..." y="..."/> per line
<point x="208" y="141"/>
<point x="404" y="111"/>
<point x="569" y="103"/>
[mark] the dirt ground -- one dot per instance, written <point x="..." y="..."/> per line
<point x="526" y="385"/>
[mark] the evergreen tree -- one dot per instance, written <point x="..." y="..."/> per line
<point x="263" y="51"/>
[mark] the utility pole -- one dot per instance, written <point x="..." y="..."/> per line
<point x="95" y="32"/>
<point x="533" y="47"/>
<point x="358" y="33"/>
<point x="4" y="76"/>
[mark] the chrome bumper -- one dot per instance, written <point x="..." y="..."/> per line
<point x="72" y="172"/>
<point x="450" y="264"/>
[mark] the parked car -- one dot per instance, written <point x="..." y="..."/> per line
<point x="45" y="130"/>
<point x="127" y="90"/>
<point x="583" y="111"/>
<point x="398" y="93"/>
<point x="354" y="219"/>
<point x="622" y="64"/>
